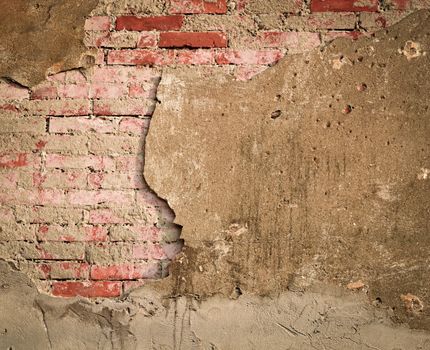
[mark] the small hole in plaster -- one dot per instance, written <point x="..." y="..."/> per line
<point x="276" y="114"/>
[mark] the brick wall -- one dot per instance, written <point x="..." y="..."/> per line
<point x="76" y="214"/>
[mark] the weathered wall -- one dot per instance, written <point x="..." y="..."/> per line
<point x="76" y="214"/>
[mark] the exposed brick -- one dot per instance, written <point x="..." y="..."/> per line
<point x="79" y="162"/>
<point x="62" y="270"/>
<point x="33" y="197"/>
<point x="40" y="215"/>
<point x="134" y="215"/>
<point x="293" y="41"/>
<point x="149" y="23"/>
<point x="82" y="124"/>
<point x="115" y="145"/>
<point x="73" y="91"/>
<point x="65" y="144"/>
<point x="135" y="233"/>
<point x="112" y="40"/>
<point x="134" y="126"/>
<point x="116" y="181"/>
<point x="126" y="271"/>
<point x="18" y="124"/>
<point x="141" y="57"/>
<point x="124" y="107"/>
<point x="44" y="92"/>
<point x="248" y="56"/>
<point x="16" y="232"/>
<point x="195" y="57"/>
<point x="6" y="215"/>
<point x="53" y="251"/>
<point x="198" y="6"/>
<point x="71" y="233"/>
<point x="96" y="197"/>
<point x="374" y="21"/>
<point x="120" y="74"/>
<point x="57" y="107"/>
<point x="129" y="164"/>
<point x="60" y="179"/>
<point x="98" y="23"/>
<point x="193" y="39"/>
<point x="147" y="39"/>
<point x="341" y="34"/>
<point x="244" y="73"/>
<point x="87" y="289"/>
<point x="14" y="160"/>
<point x="9" y="91"/>
<point x="9" y="178"/>
<point x="103" y="90"/>
<point x="344" y="5"/>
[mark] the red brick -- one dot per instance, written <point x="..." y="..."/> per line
<point x="248" y="56"/>
<point x="105" y="289"/>
<point x="198" y="6"/>
<point x="149" y="23"/>
<point x="193" y="39"/>
<point x="72" y="233"/>
<point x="141" y="91"/>
<point x="126" y="271"/>
<point x="63" y="270"/>
<point x="344" y="6"/>
<point x="195" y="57"/>
<point x="98" y="23"/>
<point x="141" y="57"/>
<point x="82" y="124"/>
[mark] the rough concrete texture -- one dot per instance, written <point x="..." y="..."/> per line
<point x="41" y="37"/>
<point x="320" y="319"/>
<point x="316" y="170"/>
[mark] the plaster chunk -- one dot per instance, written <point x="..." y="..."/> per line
<point x="314" y="193"/>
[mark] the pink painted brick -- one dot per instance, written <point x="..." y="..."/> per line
<point x="294" y="41"/>
<point x="105" y="216"/>
<point x="129" y="164"/>
<point x="142" y="91"/>
<point x="9" y="91"/>
<point x="60" y="179"/>
<point x="344" y="6"/>
<point x="116" y="181"/>
<point x="126" y="271"/>
<point x="147" y="39"/>
<point x="14" y="160"/>
<point x="125" y="233"/>
<point x="79" y="162"/>
<point x="44" y="91"/>
<point x="6" y="215"/>
<point x="244" y="73"/>
<point x="141" y="57"/>
<point x="149" y="23"/>
<point x="354" y="35"/>
<point x="73" y="91"/>
<point x="96" y="197"/>
<point x="105" y="289"/>
<point x="63" y="270"/>
<point x="128" y="106"/>
<point x="103" y="90"/>
<point x="248" y="56"/>
<point x="33" y="197"/>
<point x="9" y="179"/>
<point x="72" y="233"/>
<point x="195" y="57"/>
<point x="134" y="126"/>
<point x="120" y="74"/>
<point x="82" y="124"/>
<point x="75" y="76"/>
<point x="98" y="23"/>
<point x="58" y="107"/>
